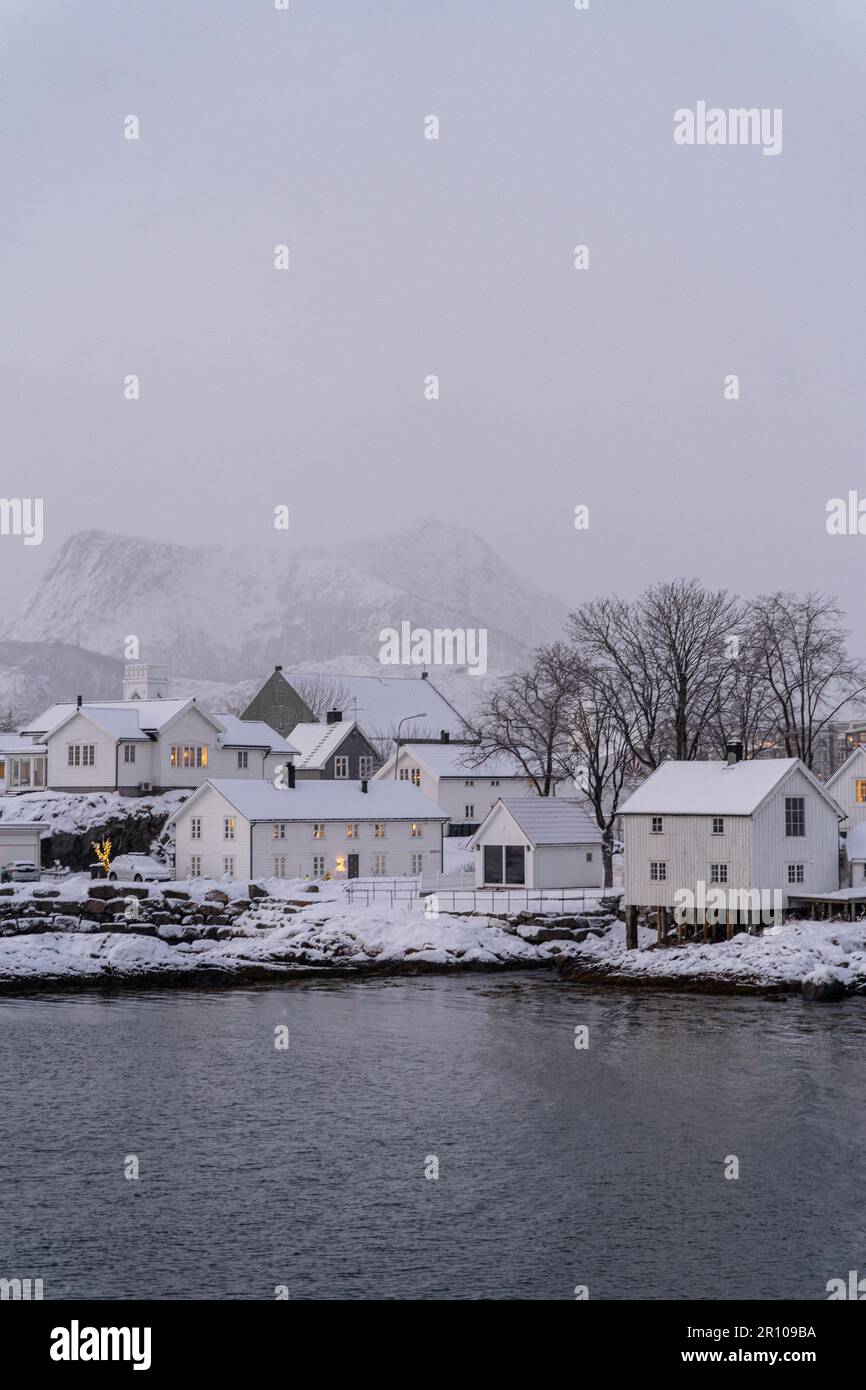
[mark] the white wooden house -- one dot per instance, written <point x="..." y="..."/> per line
<point x="307" y="829"/>
<point x="444" y="771"/>
<point x="537" y="842"/>
<point x="22" y="764"/>
<point x="137" y="746"/>
<point x="847" y="786"/>
<point x="765" y="824"/>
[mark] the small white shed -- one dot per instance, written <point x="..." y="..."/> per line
<point x="21" y="840"/>
<point x="537" y="842"/>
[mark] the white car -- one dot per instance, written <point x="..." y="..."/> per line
<point x="138" y="868"/>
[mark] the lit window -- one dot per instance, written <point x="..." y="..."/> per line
<point x="379" y="830"/>
<point x="861" y="790"/>
<point x="341" y="766"/>
<point x="417" y="830"/>
<point x="352" y="831"/>
<point x="228" y="827"/>
<point x="278" y="831"/>
<point x="319" y="830"/>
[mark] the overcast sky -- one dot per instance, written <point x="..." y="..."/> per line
<point x="412" y="256"/>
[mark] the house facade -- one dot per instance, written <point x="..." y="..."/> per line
<point x="140" y="746"/>
<point x="765" y="825"/>
<point x="847" y="786"/>
<point x="445" y="773"/>
<point x="537" y="842"/>
<point x="313" y="829"/>
<point x="335" y="750"/>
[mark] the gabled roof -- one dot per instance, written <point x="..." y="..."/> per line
<point x="379" y="703"/>
<point x="251" y="733"/>
<point x="313" y="800"/>
<point x="316" y="743"/>
<point x="546" y="820"/>
<point x="715" y="787"/>
<point x="19" y="743"/>
<point x="127" y="719"/>
<point x="845" y="768"/>
<point x="452" y="760"/>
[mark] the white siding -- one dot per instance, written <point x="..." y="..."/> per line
<point x="17" y="842"/>
<point x="549" y="866"/>
<point x="211" y="809"/>
<point x="842" y="786"/>
<point x="817" y="850"/>
<point x="299" y="847"/>
<point x="453" y="795"/>
<point x="191" y="728"/>
<point x="80" y="730"/>
<point x="688" y="847"/>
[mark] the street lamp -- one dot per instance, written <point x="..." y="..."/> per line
<point x="422" y="715"/>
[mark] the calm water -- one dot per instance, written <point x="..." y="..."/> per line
<point x="557" y="1167"/>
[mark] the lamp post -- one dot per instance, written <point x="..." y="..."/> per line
<point x="422" y="715"/>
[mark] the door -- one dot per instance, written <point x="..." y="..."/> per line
<point x="353" y="866"/>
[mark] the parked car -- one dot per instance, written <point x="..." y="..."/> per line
<point x="138" y="868"/>
<point x="24" y="871"/>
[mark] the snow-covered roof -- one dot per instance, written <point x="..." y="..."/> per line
<point x="379" y="703"/>
<point x="312" y="799"/>
<point x="127" y="719"/>
<point x="316" y="742"/>
<point x="713" y="788"/>
<point x="251" y="733"/>
<point x="546" y="820"/>
<point x="20" y="743"/>
<point x="453" y="760"/>
<point x="845" y="768"/>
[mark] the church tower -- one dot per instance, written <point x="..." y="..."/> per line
<point x="144" y="681"/>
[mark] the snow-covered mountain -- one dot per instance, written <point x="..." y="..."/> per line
<point x="35" y="674"/>
<point x="229" y="614"/>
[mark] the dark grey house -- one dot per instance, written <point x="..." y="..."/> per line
<point x="278" y="704"/>
<point x="337" y="749"/>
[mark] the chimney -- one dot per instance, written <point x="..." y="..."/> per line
<point x="278" y="668"/>
<point x="334" y="716"/>
<point x="424" y="675"/>
<point x="78" y="702"/>
<point x="733" y="753"/>
<point x="290" y="770"/>
<point x="444" y="736"/>
<point x="364" y="786"/>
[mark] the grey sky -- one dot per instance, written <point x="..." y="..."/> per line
<point x="411" y="256"/>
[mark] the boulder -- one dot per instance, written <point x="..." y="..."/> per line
<point x="7" y="892"/>
<point x="103" y="890"/>
<point x="216" y="895"/>
<point x="94" y="907"/>
<point x="823" y="986"/>
<point x="176" y="893"/>
<point x="256" y="891"/>
<point x="46" y="892"/>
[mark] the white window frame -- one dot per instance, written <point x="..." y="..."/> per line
<point x="658" y="871"/>
<point x="657" y="825"/>
<point x="229" y="827"/>
<point x="195" y="828"/>
<point x="341" y="766"/>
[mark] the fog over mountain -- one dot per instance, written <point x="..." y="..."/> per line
<point x="229" y="614"/>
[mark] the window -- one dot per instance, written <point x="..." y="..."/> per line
<point x="279" y="866"/>
<point x="658" y="871"/>
<point x="795" y="815"/>
<point x="470" y="782"/>
<point x="188" y="755"/>
<point x="195" y="866"/>
<point x="278" y="831"/>
<point x="416" y="776"/>
<point x="195" y="828"/>
<point x="589" y="856"/>
<point x="365" y="766"/>
<point x="319" y="830"/>
<point x="417" y="830"/>
<point x="243" y="758"/>
<point x="352" y="830"/>
<point x="718" y="825"/>
<point x="341" y="766"/>
<point x="495" y="782"/>
<point x="860" y="790"/>
<point x="129" y="752"/>
<point x="404" y="774"/>
<point x="229" y="865"/>
<point x="38" y="772"/>
<point x="417" y="863"/>
<point x="469" y="811"/>
<point x="718" y="873"/>
<point x="796" y="873"/>
<point x="657" y="825"/>
<point x="81" y="755"/>
<point x="379" y="830"/>
<point x="504" y="864"/>
<point x="378" y="864"/>
<point x="228" y="827"/>
<point x="318" y="866"/>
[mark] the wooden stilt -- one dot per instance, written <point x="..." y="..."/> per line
<point x="706" y="928"/>
<point x="660" y="926"/>
<point x="729" y="926"/>
<point x="631" y="929"/>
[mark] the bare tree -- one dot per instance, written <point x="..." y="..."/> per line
<point x="322" y="692"/>
<point x="603" y="758"/>
<point x="528" y="717"/>
<point x="803" y="652"/>
<point x="662" y="662"/>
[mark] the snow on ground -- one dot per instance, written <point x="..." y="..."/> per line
<point x="74" y="812"/>
<point x="298" y="930"/>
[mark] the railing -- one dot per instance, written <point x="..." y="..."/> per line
<point x="495" y="901"/>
